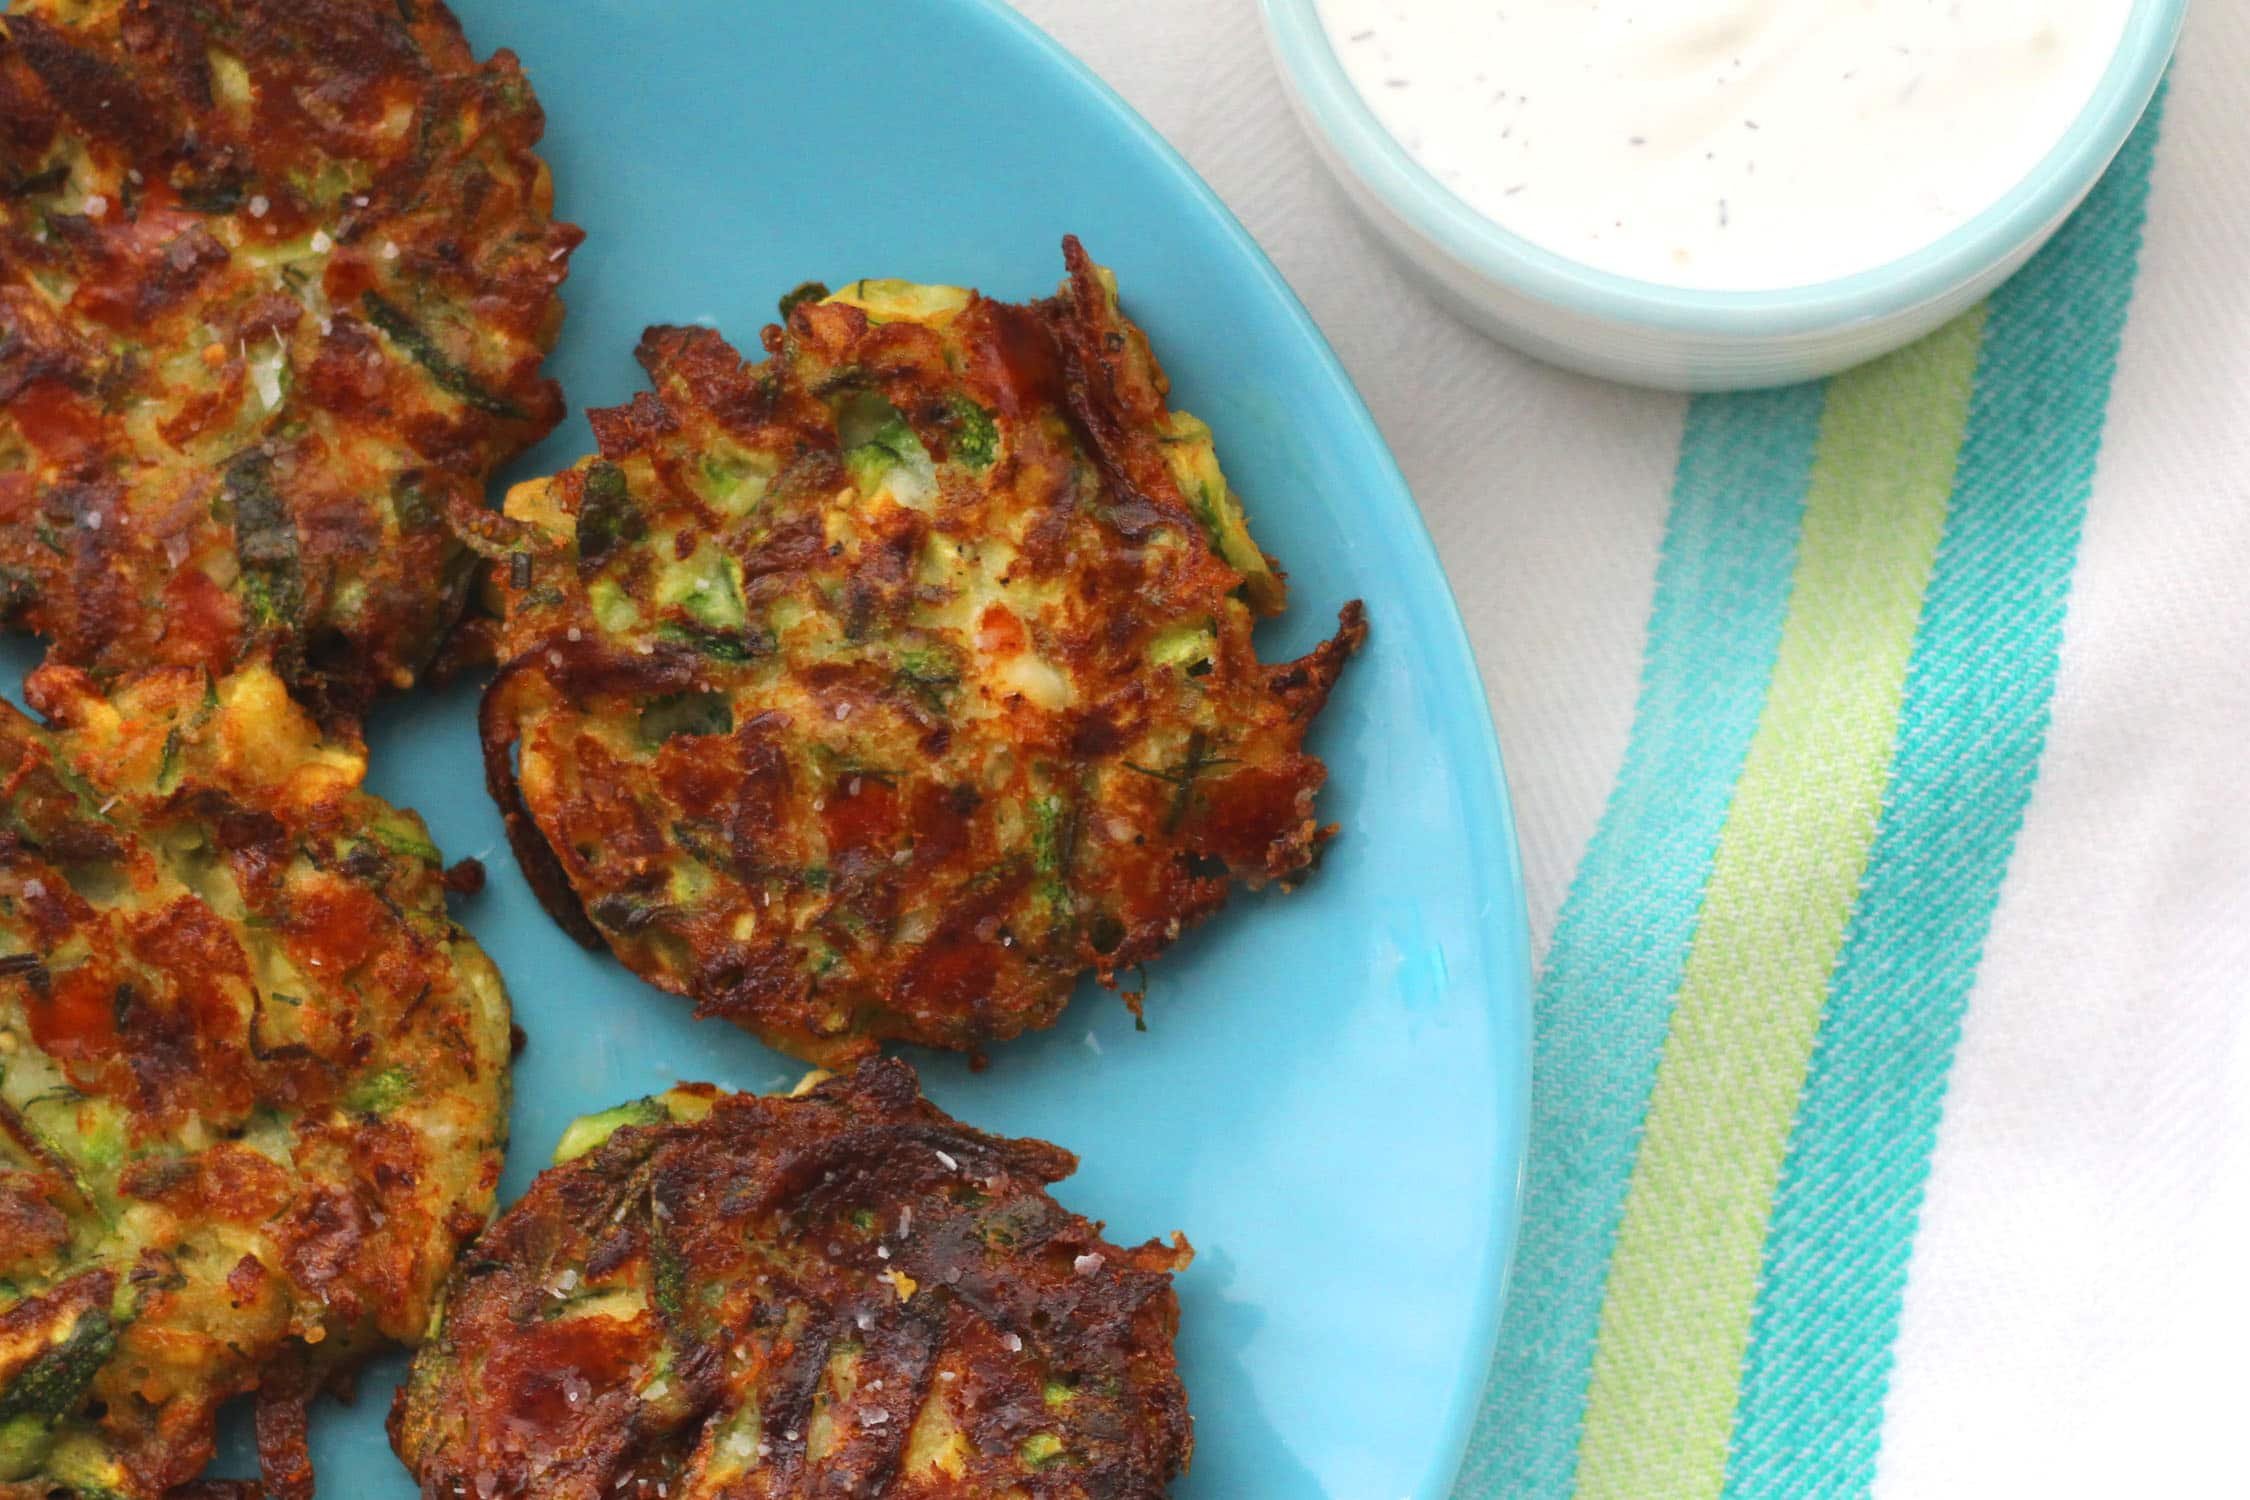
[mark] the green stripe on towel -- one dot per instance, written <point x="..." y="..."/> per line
<point x="1974" y="724"/>
<point x="1676" y="1317"/>
<point x="1722" y="589"/>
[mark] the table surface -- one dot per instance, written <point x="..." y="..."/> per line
<point x="2073" y="1338"/>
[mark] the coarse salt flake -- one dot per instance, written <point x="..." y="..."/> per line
<point x="96" y="206"/>
<point x="950" y="1164"/>
<point x="321" y="243"/>
<point x="1011" y="1342"/>
<point x="1087" y="1265"/>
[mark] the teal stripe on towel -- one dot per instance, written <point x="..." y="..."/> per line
<point x="1603" y="1003"/>
<point x="1973" y="725"/>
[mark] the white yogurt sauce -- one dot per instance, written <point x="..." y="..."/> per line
<point x="1733" y="144"/>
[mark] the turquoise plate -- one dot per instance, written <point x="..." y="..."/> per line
<point x="1330" y="1096"/>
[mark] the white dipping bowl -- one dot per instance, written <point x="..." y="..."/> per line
<point x="1680" y="338"/>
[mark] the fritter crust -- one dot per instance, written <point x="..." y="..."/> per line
<point x="253" y="1078"/>
<point x="276" y="278"/>
<point x="879" y="690"/>
<point x="843" y="1292"/>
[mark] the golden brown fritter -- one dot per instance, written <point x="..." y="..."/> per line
<point x="276" y="278"/>
<point x="845" y="1292"/>
<point x="253" y="1079"/>
<point x="881" y="689"/>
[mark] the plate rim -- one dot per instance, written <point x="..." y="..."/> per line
<point x="1512" y="1000"/>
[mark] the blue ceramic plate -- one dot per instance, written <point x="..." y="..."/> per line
<point x="1329" y="1098"/>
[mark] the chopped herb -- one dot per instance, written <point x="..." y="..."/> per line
<point x="1183" y="776"/>
<point x="219" y="195"/>
<point x="976" y="437"/>
<point x="406" y="844"/>
<point x="835" y="767"/>
<point x="456" y="378"/>
<point x="685" y="713"/>
<point x="381" y="1093"/>
<point x="1054" y="848"/>
<point x="624" y="914"/>
<point x="265" y="541"/>
<point x="720" y="645"/>
<point x="50" y="1385"/>
<point x="607" y="516"/>
<point x="703" y="843"/>
<point x="46" y="180"/>
<point x="416" y="508"/>
<point x="670" y="1269"/>
<point x="169" y="759"/>
<point x="797" y="296"/>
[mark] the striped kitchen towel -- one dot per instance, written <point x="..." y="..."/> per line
<point x="1757" y="979"/>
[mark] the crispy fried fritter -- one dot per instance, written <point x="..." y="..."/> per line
<point x="881" y="689"/>
<point x="253" y="1079"/>
<point x="845" y="1292"/>
<point x="276" y="277"/>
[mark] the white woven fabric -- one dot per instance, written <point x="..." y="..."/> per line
<point x="2076" y="1309"/>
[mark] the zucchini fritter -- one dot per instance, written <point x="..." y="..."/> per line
<point x="253" y="1079"/>
<point x="845" y="1292"/>
<point x="879" y="690"/>
<point x="276" y="278"/>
